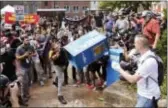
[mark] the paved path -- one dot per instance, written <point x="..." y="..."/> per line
<point x="46" y="96"/>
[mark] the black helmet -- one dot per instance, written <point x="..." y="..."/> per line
<point x="4" y="81"/>
<point x="8" y="33"/>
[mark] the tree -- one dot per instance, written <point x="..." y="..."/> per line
<point x="162" y="52"/>
<point x="112" y="5"/>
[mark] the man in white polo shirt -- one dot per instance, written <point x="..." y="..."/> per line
<point x="146" y="87"/>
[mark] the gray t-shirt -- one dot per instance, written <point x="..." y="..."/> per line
<point x="21" y="50"/>
<point x="122" y="25"/>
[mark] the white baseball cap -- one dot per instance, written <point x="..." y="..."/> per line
<point x="144" y="13"/>
<point x="7" y="26"/>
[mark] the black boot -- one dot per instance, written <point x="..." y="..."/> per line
<point x="62" y="100"/>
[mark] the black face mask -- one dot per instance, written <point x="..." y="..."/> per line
<point x="22" y="38"/>
<point x="8" y="34"/>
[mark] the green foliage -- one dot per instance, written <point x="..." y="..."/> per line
<point x="165" y="14"/>
<point x="111" y="5"/>
<point x="162" y="52"/>
<point x="164" y="88"/>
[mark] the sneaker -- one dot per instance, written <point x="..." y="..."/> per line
<point x="41" y="83"/>
<point x="44" y="78"/>
<point x="31" y="82"/>
<point x="62" y="100"/>
<point x="100" y="83"/>
<point x="75" y="85"/>
<point x="89" y="86"/>
<point x="92" y="87"/>
<point x="104" y="85"/>
<point x="78" y="82"/>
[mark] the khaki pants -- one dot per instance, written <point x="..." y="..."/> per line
<point x="39" y="70"/>
<point x="14" y="94"/>
<point x="60" y="75"/>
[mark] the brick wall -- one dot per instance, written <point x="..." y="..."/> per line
<point x="79" y="6"/>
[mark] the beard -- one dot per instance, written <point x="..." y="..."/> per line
<point x="26" y="45"/>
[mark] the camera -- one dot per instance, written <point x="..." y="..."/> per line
<point x="130" y="66"/>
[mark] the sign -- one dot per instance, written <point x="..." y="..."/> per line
<point x="10" y="17"/>
<point x="87" y="49"/>
<point x="31" y="18"/>
<point x="19" y="9"/>
<point x="19" y="17"/>
<point x="115" y="57"/>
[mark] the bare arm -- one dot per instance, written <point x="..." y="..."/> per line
<point x="130" y="78"/>
<point x="156" y="29"/>
<point x="156" y="41"/>
<point x="20" y="57"/>
<point x="127" y="58"/>
<point x="55" y="56"/>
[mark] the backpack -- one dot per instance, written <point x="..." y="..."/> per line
<point x="160" y="69"/>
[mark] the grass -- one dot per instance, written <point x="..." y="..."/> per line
<point x="163" y="88"/>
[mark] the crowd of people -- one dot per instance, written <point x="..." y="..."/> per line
<point x="33" y="52"/>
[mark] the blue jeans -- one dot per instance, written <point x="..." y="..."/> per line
<point x="144" y="102"/>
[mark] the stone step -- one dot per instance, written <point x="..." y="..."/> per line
<point x="162" y="103"/>
<point x="118" y="95"/>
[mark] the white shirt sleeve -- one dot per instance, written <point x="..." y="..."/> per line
<point x="145" y="69"/>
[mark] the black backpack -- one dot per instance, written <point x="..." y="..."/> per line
<point x="160" y="69"/>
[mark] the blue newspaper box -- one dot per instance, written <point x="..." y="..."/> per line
<point x="115" y="56"/>
<point x="86" y="49"/>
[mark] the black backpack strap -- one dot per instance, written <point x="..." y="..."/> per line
<point x="147" y="79"/>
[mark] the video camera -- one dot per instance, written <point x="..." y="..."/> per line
<point x="132" y="64"/>
<point x="129" y="66"/>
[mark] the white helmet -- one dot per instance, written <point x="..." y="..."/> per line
<point x="146" y="12"/>
<point x="7" y="26"/>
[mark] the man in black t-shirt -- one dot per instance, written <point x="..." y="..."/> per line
<point x="58" y="56"/>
